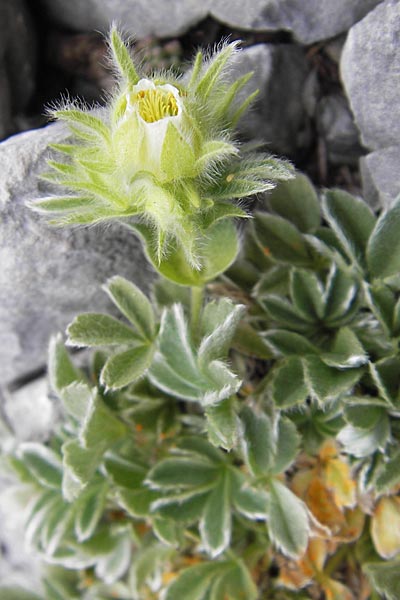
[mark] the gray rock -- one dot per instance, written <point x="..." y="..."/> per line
<point x="370" y="69"/>
<point x="380" y="176"/>
<point x="138" y="17"/>
<point x="336" y="126"/>
<point x="49" y="275"/>
<point x="17" y="62"/>
<point x="309" y="21"/>
<point x="29" y="412"/>
<point x="280" y="113"/>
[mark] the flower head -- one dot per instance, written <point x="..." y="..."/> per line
<point x="162" y="154"/>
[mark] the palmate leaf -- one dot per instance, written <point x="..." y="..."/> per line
<point x="222" y="580"/>
<point x="197" y="486"/>
<point x="201" y="376"/>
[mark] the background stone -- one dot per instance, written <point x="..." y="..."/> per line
<point x="309" y="21"/>
<point x="49" y="275"/>
<point x="17" y="62"/>
<point x="336" y="126"/>
<point x="280" y="71"/>
<point x="380" y="176"/>
<point x="370" y="69"/>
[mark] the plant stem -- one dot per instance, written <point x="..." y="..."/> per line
<point x="196" y="303"/>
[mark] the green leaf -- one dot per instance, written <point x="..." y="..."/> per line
<point x="167" y="531"/>
<point x="352" y="221"/>
<point x="111" y="566"/>
<point x="76" y="399"/>
<point x="184" y="508"/>
<point x="287" y="520"/>
<point x="287" y="446"/>
<point x="382" y="302"/>
<point x="218" y="211"/>
<point x="326" y="382"/>
<point x="102" y="428"/>
<point x="92" y="329"/>
<point x="341" y="294"/>
<point x="384" y="578"/>
<point x="213" y="152"/>
<point x="194" y="582"/>
<point x="287" y="343"/>
<point x="86" y="120"/>
<point x="215" y="525"/>
<point x="297" y="201"/>
<point x="386" y="376"/>
<point x="249" y="342"/>
<point x="288" y="385"/>
<point x="258" y="441"/>
<point x="177" y="156"/>
<point x="60" y="368"/>
<point x="80" y="463"/>
<point x="281" y="240"/>
<point x="43" y="463"/>
<point x="363" y="441"/>
<point x="89" y="509"/>
<point x="222" y="424"/>
<point x="11" y="592"/>
<point x="124" y="472"/>
<point x="181" y="473"/>
<point x="214" y="70"/>
<point x="283" y="312"/>
<point x="249" y="501"/>
<point x="216" y="345"/>
<point x="383" y="252"/>
<point x="137" y="502"/>
<point x="347" y="351"/>
<point x="217" y="251"/>
<point x="133" y="304"/>
<point x="175" y="368"/>
<point x="389" y="474"/>
<point x="122" y="58"/>
<point x="307" y="294"/>
<point x="127" y="367"/>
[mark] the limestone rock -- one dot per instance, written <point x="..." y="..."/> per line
<point x="370" y="68"/>
<point x="17" y="62"/>
<point x="49" y="275"/>
<point x="380" y="176"/>
<point x="309" y="21"/>
<point x="279" y="116"/>
<point x="336" y="126"/>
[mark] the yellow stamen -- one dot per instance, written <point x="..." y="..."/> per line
<point x="156" y="104"/>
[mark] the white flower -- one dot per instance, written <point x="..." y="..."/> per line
<point x="151" y="110"/>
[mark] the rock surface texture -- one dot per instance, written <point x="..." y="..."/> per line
<point x="370" y="68"/>
<point x="308" y="21"/>
<point x="49" y="275"/>
<point x="17" y="62"/>
<point x="280" y="71"/>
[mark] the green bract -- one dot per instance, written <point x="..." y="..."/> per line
<point x="162" y="154"/>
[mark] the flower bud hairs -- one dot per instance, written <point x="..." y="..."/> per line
<point x="161" y="155"/>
